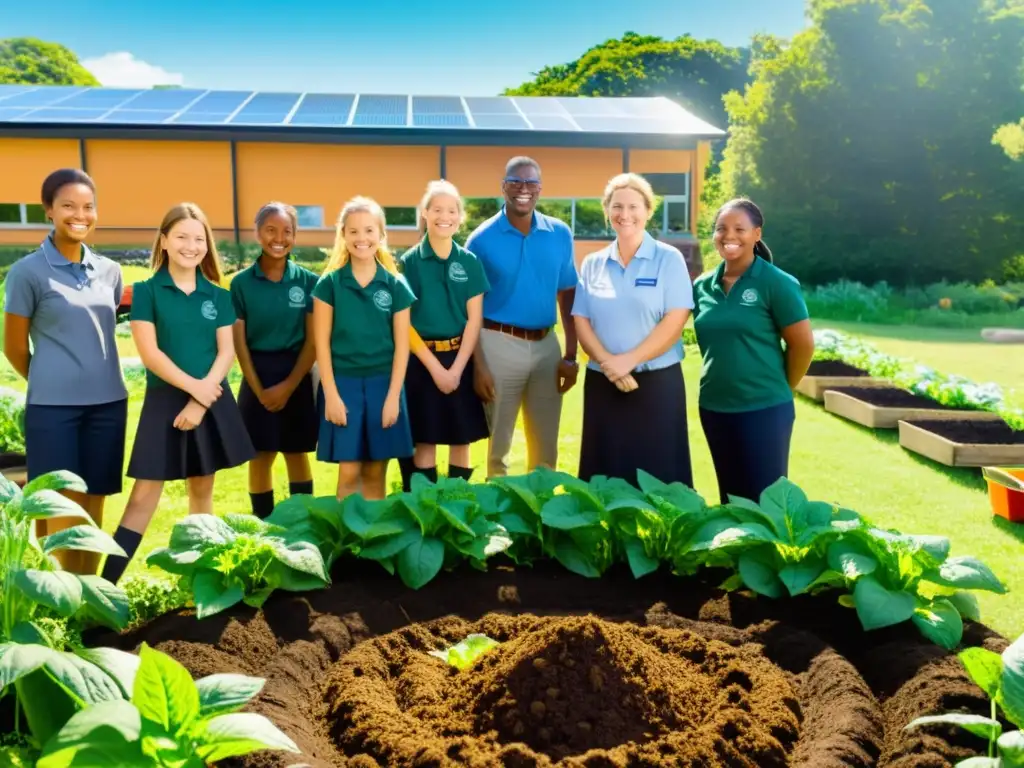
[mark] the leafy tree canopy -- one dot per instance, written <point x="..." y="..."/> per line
<point x="27" y="60"/>
<point x="693" y="73"/>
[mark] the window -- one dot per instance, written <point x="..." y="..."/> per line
<point x="25" y="214"/>
<point x="401" y="217"/>
<point x="671" y="218"/>
<point x="310" y="215"/>
<point x="559" y="209"/>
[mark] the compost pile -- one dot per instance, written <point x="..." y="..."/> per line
<point x="588" y="672"/>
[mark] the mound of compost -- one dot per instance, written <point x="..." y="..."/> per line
<point x="662" y="671"/>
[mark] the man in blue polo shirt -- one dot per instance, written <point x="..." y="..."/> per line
<point x="528" y="259"/>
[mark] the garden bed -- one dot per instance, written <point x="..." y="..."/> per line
<point x="823" y="375"/>
<point x="660" y="671"/>
<point x="967" y="443"/>
<point x="886" y="407"/>
<point x="12" y="466"/>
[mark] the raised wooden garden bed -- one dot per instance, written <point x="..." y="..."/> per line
<point x="829" y="374"/>
<point x="12" y="466"/>
<point x="963" y="443"/>
<point x="886" y="407"/>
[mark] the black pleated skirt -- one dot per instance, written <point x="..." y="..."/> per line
<point x="293" y="429"/>
<point x="163" y="452"/>
<point x="643" y="429"/>
<point x="438" y="419"/>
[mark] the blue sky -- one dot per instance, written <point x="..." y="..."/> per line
<point x="465" y="47"/>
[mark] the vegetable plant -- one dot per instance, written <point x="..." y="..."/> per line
<point x="169" y="720"/>
<point x="1001" y="677"/>
<point x="238" y="558"/>
<point x="12" y="421"/>
<point x="50" y="681"/>
<point x="464" y="653"/>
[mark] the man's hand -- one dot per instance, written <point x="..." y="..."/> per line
<point x="483" y="383"/>
<point x="565" y="376"/>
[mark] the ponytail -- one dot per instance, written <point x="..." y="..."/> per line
<point x="756" y="219"/>
<point x="762" y="250"/>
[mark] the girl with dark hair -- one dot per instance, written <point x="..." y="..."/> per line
<point x="754" y="333"/>
<point x="64" y="298"/>
<point x="273" y="301"/>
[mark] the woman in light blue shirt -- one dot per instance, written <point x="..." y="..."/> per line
<point x="632" y="301"/>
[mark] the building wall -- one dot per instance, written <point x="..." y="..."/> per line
<point x="138" y="180"/>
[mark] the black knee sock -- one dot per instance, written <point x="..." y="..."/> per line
<point x="464" y="472"/>
<point x="115" y="566"/>
<point x="406" y="467"/>
<point x="302" y="487"/>
<point x="262" y="504"/>
<point x="429" y="472"/>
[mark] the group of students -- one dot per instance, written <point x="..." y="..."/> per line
<point x="397" y="349"/>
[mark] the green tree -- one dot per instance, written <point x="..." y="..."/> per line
<point x="693" y="73"/>
<point x="867" y="141"/>
<point x="27" y="60"/>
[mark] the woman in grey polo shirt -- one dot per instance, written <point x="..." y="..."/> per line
<point x="64" y="297"/>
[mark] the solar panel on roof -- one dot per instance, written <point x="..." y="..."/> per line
<point x="591" y="107"/>
<point x="266" y="108"/>
<point x="58" y="115"/>
<point x="491" y="105"/>
<point x="378" y="120"/>
<point x="551" y="123"/>
<point x="312" y="118"/>
<point x="9" y="113"/>
<point x="214" y="107"/>
<point x="539" y="105"/>
<point x="514" y="122"/>
<point x="99" y="98"/>
<point x="130" y="116"/>
<point x="42" y="96"/>
<point x="437" y="105"/>
<point x="10" y="90"/>
<point x="440" y="121"/>
<point x="167" y="98"/>
<point x="387" y="104"/>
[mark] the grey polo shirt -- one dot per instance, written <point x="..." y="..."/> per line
<point x="72" y="317"/>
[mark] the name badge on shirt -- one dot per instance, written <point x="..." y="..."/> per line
<point x="649" y="282"/>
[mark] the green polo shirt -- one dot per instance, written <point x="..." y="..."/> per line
<point x="363" y="338"/>
<point x="186" y="324"/>
<point x="274" y="312"/>
<point x="739" y="335"/>
<point x="442" y="287"/>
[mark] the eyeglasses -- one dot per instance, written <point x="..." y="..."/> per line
<point x="514" y="181"/>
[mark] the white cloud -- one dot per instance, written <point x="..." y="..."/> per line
<point x="123" y="70"/>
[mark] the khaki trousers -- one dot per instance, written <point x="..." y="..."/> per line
<point x="524" y="377"/>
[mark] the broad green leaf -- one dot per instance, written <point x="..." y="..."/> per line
<point x="372" y="519"/>
<point x="219" y="694"/>
<point x="514" y="524"/>
<point x="59" y="590"/>
<point x="391" y="546"/>
<point x="879" y="607"/>
<point x="212" y="596"/>
<point x="60" y="480"/>
<point x="99" y="736"/>
<point x="239" y="734"/>
<point x="759" y="576"/>
<point x="640" y="563"/>
<point x="1011" y="749"/>
<point x="420" y="562"/>
<point x="743" y="535"/>
<point x="569" y="554"/>
<point x="984" y="727"/>
<point x="780" y="501"/>
<point x="984" y="667"/>
<point x="1011" y="683"/>
<point x="935" y="547"/>
<point x="304" y="558"/>
<point x="164" y="692"/>
<point x="84" y="681"/>
<point x="120" y="666"/>
<point x="200" y="532"/>
<point x="565" y="512"/>
<point x="981" y="762"/>
<point x="464" y="653"/>
<point x="84" y="538"/>
<point x="967" y="604"/>
<point x="20" y="659"/>
<point x="811" y="515"/>
<point x="940" y="622"/>
<point x="177" y="563"/>
<point x="966" y="573"/>
<point x="30" y="633"/>
<point x="798" y="577"/>
<point x="457" y="514"/>
<point x="47" y="504"/>
<point x="747" y="511"/>
<point x="106" y="602"/>
<point x="850" y="558"/>
<point x="9" y="492"/>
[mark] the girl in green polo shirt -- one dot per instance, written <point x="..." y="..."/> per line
<point x="361" y="333"/>
<point x="190" y="426"/>
<point x="754" y="334"/>
<point x="273" y="300"/>
<point x="449" y="283"/>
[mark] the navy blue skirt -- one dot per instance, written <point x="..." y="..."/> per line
<point x="294" y="428"/>
<point x="457" y="418"/>
<point x="363" y="438"/>
<point x="163" y="452"/>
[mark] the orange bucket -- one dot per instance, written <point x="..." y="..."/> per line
<point x="1007" y="501"/>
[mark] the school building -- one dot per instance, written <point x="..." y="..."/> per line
<point x="232" y="151"/>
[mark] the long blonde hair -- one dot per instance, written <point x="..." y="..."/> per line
<point x="210" y="265"/>
<point x="339" y="253"/>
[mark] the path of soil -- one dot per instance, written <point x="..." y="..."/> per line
<point x="892" y="397"/>
<point x="834" y="368"/>
<point x="703" y="679"/>
<point x="977" y="432"/>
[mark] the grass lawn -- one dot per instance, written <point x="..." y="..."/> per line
<point x="832" y="460"/>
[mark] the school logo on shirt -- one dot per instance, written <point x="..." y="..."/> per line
<point x="382" y="300"/>
<point x="457" y="273"/>
<point x="209" y="310"/>
<point x="296" y="297"/>
<point x="749" y="297"/>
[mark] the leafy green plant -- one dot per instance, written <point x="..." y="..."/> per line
<point x="834" y="345"/>
<point x="150" y="596"/>
<point x="12" y="421"/>
<point x="169" y="721"/>
<point x="1001" y="677"/>
<point x="50" y="681"/>
<point x="238" y="558"/>
<point x="953" y="391"/>
<point x="464" y="653"/>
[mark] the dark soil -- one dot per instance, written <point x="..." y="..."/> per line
<point x="892" y="397"/>
<point x="663" y="671"/>
<point x="834" y="368"/>
<point x="977" y="432"/>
